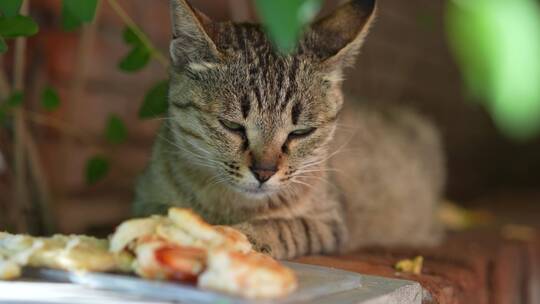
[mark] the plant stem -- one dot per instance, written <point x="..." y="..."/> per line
<point x="140" y="34"/>
<point x="20" y="191"/>
<point x="42" y="185"/>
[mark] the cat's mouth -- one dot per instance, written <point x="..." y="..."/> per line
<point x="254" y="191"/>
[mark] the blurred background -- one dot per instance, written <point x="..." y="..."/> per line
<point x="407" y="60"/>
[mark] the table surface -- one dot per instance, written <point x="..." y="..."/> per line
<point x="317" y="285"/>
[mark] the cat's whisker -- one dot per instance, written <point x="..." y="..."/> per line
<point x="187" y="151"/>
<point x="217" y="181"/>
<point x="199" y="162"/>
<point x="313" y="171"/>
<point x="196" y="160"/>
<point x="317" y="178"/>
<point x="302" y="183"/>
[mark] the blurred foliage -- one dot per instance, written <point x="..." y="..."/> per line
<point x="155" y="102"/>
<point x="17" y="26"/>
<point x="3" y="45"/>
<point x="12" y="24"/>
<point x="97" y="168"/>
<point x="77" y="12"/>
<point x="285" y="19"/>
<point x="115" y="131"/>
<point x="50" y="100"/>
<point x="497" y="44"/>
<point x="138" y="57"/>
<point x="10" y="8"/>
<point x="15" y="99"/>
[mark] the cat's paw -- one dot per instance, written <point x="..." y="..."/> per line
<point x="255" y="238"/>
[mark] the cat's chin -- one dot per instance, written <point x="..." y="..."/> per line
<point x="254" y="192"/>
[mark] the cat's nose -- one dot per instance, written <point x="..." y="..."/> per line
<point x="263" y="173"/>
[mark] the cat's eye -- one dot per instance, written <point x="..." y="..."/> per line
<point x="301" y="132"/>
<point x="232" y="126"/>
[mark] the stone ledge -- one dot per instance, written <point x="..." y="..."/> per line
<point x="479" y="267"/>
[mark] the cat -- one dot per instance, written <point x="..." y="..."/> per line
<point x="264" y="142"/>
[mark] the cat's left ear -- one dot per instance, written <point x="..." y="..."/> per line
<point x="337" y="38"/>
<point x="193" y="36"/>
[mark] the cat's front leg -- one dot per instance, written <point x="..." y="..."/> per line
<point x="290" y="238"/>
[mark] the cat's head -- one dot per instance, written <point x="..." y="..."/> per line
<point x="252" y="119"/>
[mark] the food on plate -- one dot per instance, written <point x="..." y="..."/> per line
<point x="159" y="259"/>
<point x="9" y="270"/>
<point x="131" y="230"/>
<point x="252" y="275"/>
<point x="182" y="227"/>
<point x="179" y="247"/>
<point x="67" y="252"/>
<point x="235" y="240"/>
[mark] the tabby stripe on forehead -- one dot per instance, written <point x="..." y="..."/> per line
<point x="295" y="112"/>
<point x="258" y="41"/>
<point x="240" y="38"/>
<point x="293" y="71"/>
<point x="245" y="104"/>
<point x="225" y="36"/>
<point x="259" y="96"/>
<point x="280" y="67"/>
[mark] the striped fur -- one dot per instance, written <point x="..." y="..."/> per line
<point x="238" y="106"/>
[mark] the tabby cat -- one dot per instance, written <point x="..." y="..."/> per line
<point x="263" y="141"/>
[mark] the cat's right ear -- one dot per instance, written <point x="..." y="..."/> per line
<point x="193" y="34"/>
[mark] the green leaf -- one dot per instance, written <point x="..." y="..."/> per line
<point x="3" y="116"/>
<point x="130" y="37"/>
<point x="3" y="45"/>
<point x="77" y="12"/>
<point x="69" y="21"/>
<point x="155" y="102"/>
<point x="10" y="8"/>
<point x="135" y="60"/>
<point x="497" y="44"/>
<point x="17" y="26"/>
<point x="116" y="131"/>
<point x="15" y="99"/>
<point x="285" y="19"/>
<point x="97" y="168"/>
<point x="138" y="57"/>
<point x="50" y="99"/>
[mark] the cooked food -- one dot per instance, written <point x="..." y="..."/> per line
<point x="67" y="252"/>
<point x="159" y="259"/>
<point x="413" y="266"/>
<point x="9" y="270"/>
<point x="252" y="275"/>
<point x="131" y="230"/>
<point x="182" y="227"/>
<point x="179" y="247"/>
<point x="234" y="239"/>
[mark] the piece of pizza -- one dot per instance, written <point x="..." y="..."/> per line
<point x="250" y="275"/>
<point x="159" y="259"/>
